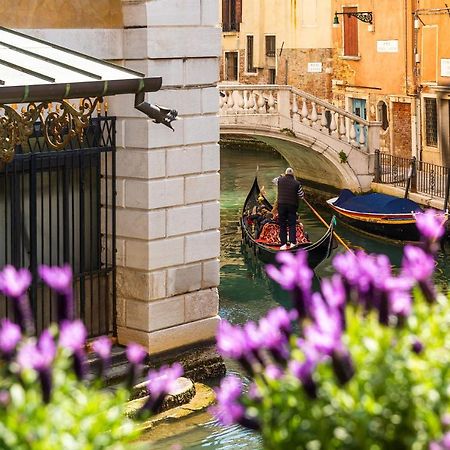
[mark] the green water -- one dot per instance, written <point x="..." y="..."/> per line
<point x="245" y="291"/>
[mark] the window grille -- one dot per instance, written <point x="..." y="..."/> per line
<point x="431" y="122"/>
<point x="231" y="66"/>
<point x="250" y="67"/>
<point x="270" y="45"/>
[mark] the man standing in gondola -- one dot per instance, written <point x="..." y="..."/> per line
<point x="289" y="191"/>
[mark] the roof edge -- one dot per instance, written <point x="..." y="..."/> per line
<point x="60" y="91"/>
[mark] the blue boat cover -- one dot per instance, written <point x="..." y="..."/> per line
<point x="375" y="203"/>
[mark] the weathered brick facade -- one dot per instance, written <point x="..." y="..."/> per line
<point x="318" y="84"/>
<point x="401" y="123"/>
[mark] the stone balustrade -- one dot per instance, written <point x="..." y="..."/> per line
<point x="299" y="106"/>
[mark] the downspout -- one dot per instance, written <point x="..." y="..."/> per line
<point x="417" y="88"/>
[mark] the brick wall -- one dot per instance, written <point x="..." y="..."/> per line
<point x="318" y="84"/>
<point x="401" y="123"/>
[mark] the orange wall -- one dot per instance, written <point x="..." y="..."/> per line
<point x="434" y="42"/>
<point x="374" y="69"/>
<point x="61" y="13"/>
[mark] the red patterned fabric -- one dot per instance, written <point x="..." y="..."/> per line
<point x="270" y="235"/>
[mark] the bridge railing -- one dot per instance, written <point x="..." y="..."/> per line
<point x="300" y="106"/>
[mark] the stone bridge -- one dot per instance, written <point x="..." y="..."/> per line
<point x="322" y="142"/>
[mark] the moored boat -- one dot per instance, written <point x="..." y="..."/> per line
<point x="267" y="245"/>
<point x="380" y="214"/>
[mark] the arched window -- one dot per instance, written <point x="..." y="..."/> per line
<point x="383" y="115"/>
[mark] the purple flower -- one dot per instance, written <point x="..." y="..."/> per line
<point x="72" y="336"/>
<point x="102" y="346"/>
<point x="10" y="336"/>
<point x="417" y="347"/>
<point x="282" y="319"/>
<point x="231" y="341"/>
<point x="162" y="381"/>
<point x="135" y="353"/>
<point x="228" y="410"/>
<point x="303" y="371"/>
<point x="325" y="334"/>
<point x="431" y="224"/>
<point x="435" y="446"/>
<point x="333" y="291"/>
<point x="14" y="283"/>
<point x="293" y="272"/>
<point x="446" y="441"/>
<point x="398" y="294"/>
<point x="445" y="420"/>
<point x="59" y="279"/>
<point x="39" y="357"/>
<point x="273" y="372"/>
<point x="4" y="398"/>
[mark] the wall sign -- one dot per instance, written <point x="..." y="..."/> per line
<point x="387" y="46"/>
<point x="445" y="67"/>
<point x="315" y="67"/>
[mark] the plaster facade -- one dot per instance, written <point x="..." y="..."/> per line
<point x="168" y="185"/>
<point x="301" y="35"/>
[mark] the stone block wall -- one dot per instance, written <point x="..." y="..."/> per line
<point x="402" y="130"/>
<point x="168" y="184"/>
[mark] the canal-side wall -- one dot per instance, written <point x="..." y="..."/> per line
<point x="168" y="214"/>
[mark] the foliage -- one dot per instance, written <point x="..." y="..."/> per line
<point x="48" y="400"/>
<point x="369" y="366"/>
<point x="343" y="157"/>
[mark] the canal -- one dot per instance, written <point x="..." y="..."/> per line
<point x="245" y="291"/>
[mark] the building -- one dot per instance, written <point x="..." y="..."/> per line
<point x="277" y="42"/>
<point x="162" y="241"/>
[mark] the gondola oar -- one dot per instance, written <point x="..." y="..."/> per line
<point x="340" y="240"/>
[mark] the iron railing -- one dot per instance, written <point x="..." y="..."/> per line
<point x="425" y="178"/>
<point x="58" y="207"/>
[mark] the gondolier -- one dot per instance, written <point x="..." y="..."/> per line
<point x="290" y="191"/>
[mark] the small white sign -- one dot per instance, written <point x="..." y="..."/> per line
<point x="387" y="46"/>
<point x="445" y="67"/>
<point x="315" y="67"/>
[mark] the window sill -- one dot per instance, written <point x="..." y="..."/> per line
<point x="251" y="74"/>
<point x="350" y="58"/>
<point x="230" y="33"/>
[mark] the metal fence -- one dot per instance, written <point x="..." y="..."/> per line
<point x="58" y="207"/>
<point x="425" y="178"/>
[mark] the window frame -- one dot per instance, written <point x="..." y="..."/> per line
<point x="431" y="144"/>
<point x="346" y="23"/>
<point x="250" y="56"/>
<point x="225" y="71"/>
<point x="272" y="53"/>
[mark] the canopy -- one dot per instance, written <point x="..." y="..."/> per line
<point x="35" y="70"/>
<point x="375" y="203"/>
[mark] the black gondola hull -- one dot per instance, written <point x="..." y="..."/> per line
<point x="317" y="251"/>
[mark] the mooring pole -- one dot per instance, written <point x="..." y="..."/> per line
<point x="447" y="188"/>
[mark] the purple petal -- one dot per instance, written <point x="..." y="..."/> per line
<point x="10" y="336"/>
<point x="431" y="224"/>
<point x="162" y="381"/>
<point x="135" y="353"/>
<point x="14" y="283"/>
<point x="57" y="278"/>
<point x="73" y="335"/>
<point x="102" y="346"/>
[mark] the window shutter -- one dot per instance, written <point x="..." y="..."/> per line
<point x="226" y="15"/>
<point x="350" y="33"/>
<point x="238" y="13"/>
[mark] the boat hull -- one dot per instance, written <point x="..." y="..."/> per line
<point x="401" y="227"/>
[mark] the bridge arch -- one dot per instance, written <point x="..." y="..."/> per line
<point x="311" y="159"/>
<point x="322" y="142"/>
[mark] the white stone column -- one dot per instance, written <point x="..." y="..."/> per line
<point x="168" y="183"/>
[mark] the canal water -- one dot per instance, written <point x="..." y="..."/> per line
<point x="245" y="291"/>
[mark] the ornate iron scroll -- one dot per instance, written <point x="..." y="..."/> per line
<point x="59" y="125"/>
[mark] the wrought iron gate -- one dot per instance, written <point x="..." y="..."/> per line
<point x="58" y="207"/>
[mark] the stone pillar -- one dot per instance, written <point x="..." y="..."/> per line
<point x="168" y="183"/>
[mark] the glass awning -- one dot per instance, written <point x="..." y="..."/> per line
<point x="35" y="70"/>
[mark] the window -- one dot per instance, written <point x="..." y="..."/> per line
<point x="270" y="46"/>
<point x="383" y="115"/>
<point x="250" y="52"/>
<point x="272" y="76"/>
<point x="231" y="66"/>
<point x="231" y="15"/>
<point x="350" y="33"/>
<point x="431" y="122"/>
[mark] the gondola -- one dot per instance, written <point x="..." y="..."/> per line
<point x="266" y="249"/>
<point x="379" y="214"/>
